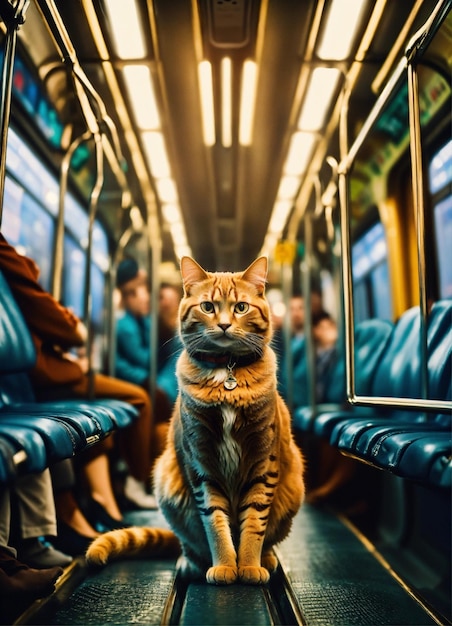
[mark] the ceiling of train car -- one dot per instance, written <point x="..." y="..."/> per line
<point x="226" y="194"/>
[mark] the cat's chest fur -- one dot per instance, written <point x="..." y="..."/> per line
<point x="229" y="449"/>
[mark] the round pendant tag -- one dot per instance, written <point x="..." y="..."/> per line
<point x="230" y="383"/>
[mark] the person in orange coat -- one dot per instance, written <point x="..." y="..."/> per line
<point x="55" y="330"/>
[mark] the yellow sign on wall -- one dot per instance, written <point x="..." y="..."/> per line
<point x="285" y="252"/>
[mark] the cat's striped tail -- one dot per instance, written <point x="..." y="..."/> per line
<point x="139" y="542"/>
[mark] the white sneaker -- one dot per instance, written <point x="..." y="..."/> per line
<point x="135" y="491"/>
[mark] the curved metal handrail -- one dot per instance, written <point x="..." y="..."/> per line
<point x="405" y="68"/>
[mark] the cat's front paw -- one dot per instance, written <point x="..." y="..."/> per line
<point x="221" y="575"/>
<point x="251" y="575"/>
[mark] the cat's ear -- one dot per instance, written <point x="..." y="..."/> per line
<point x="191" y="273"/>
<point x="256" y="274"/>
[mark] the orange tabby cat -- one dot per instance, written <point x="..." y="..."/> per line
<point x="230" y="479"/>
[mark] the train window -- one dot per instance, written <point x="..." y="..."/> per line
<point x="30" y="208"/>
<point x="440" y="179"/>
<point x="27" y="90"/>
<point x="29" y="228"/>
<point x="371" y="275"/>
<point x="73" y="275"/>
<point x="28" y="170"/>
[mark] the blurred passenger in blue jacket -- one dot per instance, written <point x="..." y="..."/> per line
<point x="133" y="329"/>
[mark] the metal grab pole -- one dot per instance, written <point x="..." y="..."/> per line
<point x="347" y="280"/>
<point x="94" y="201"/>
<point x="287" y="291"/>
<point x="309" y="339"/>
<point x="419" y="213"/>
<point x="154" y="261"/>
<point x="13" y="18"/>
<point x="58" y="246"/>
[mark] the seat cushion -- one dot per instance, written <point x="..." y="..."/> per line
<point x="61" y="439"/>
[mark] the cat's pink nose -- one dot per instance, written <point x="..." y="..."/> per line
<point x="224" y="327"/>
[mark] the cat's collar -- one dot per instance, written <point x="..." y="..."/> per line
<point x="225" y="360"/>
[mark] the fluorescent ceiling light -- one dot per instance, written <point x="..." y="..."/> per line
<point x="140" y="88"/>
<point x="288" y="187"/>
<point x="171" y="213"/>
<point x="226" y="102"/>
<point x="320" y="91"/>
<point x="300" y="150"/>
<point x="166" y="190"/>
<point x="126" y="29"/>
<point x="344" y="19"/>
<point x="279" y="216"/>
<point x="183" y="251"/>
<point x="207" y="107"/>
<point x="247" y="102"/>
<point x="178" y="234"/>
<point x="154" y="146"/>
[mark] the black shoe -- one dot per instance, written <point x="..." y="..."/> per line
<point x="41" y="554"/>
<point x="70" y="541"/>
<point x="100" y="519"/>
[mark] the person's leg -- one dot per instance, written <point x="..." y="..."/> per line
<point x="97" y="475"/>
<point x="37" y="520"/>
<point x="67" y="508"/>
<point x="135" y="440"/>
<point x="36" y="505"/>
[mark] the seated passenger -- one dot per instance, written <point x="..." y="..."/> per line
<point x="325" y="335"/>
<point x="55" y="330"/>
<point x="28" y="521"/>
<point x="133" y="330"/>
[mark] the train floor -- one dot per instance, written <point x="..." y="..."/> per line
<point x="328" y="575"/>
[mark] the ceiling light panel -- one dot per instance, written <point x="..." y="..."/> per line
<point x="247" y="102"/>
<point x="154" y="146"/>
<point x="126" y="28"/>
<point x="226" y="102"/>
<point x="300" y="150"/>
<point x="288" y="187"/>
<point x="321" y="88"/>
<point x="141" y="93"/>
<point x="167" y="190"/>
<point x="207" y="105"/>
<point x="343" y="21"/>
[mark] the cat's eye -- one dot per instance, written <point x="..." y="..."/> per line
<point x="207" y="307"/>
<point x="241" y="307"/>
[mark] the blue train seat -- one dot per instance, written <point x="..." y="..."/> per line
<point x="371" y="338"/>
<point x="408" y="442"/>
<point x="45" y="432"/>
<point x="399" y="371"/>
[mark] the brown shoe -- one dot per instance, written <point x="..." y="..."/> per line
<point x="16" y="578"/>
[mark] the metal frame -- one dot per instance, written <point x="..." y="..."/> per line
<point x="13" y="17"/>
<point x="407" y="64"/>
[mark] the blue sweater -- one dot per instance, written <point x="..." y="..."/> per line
<point x="133" y="354"/>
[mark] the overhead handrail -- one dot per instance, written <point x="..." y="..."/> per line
<point x="405" y="69"/>
<point x="13" y="17"/>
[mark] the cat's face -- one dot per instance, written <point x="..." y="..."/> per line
<point x="224" y="313"/>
